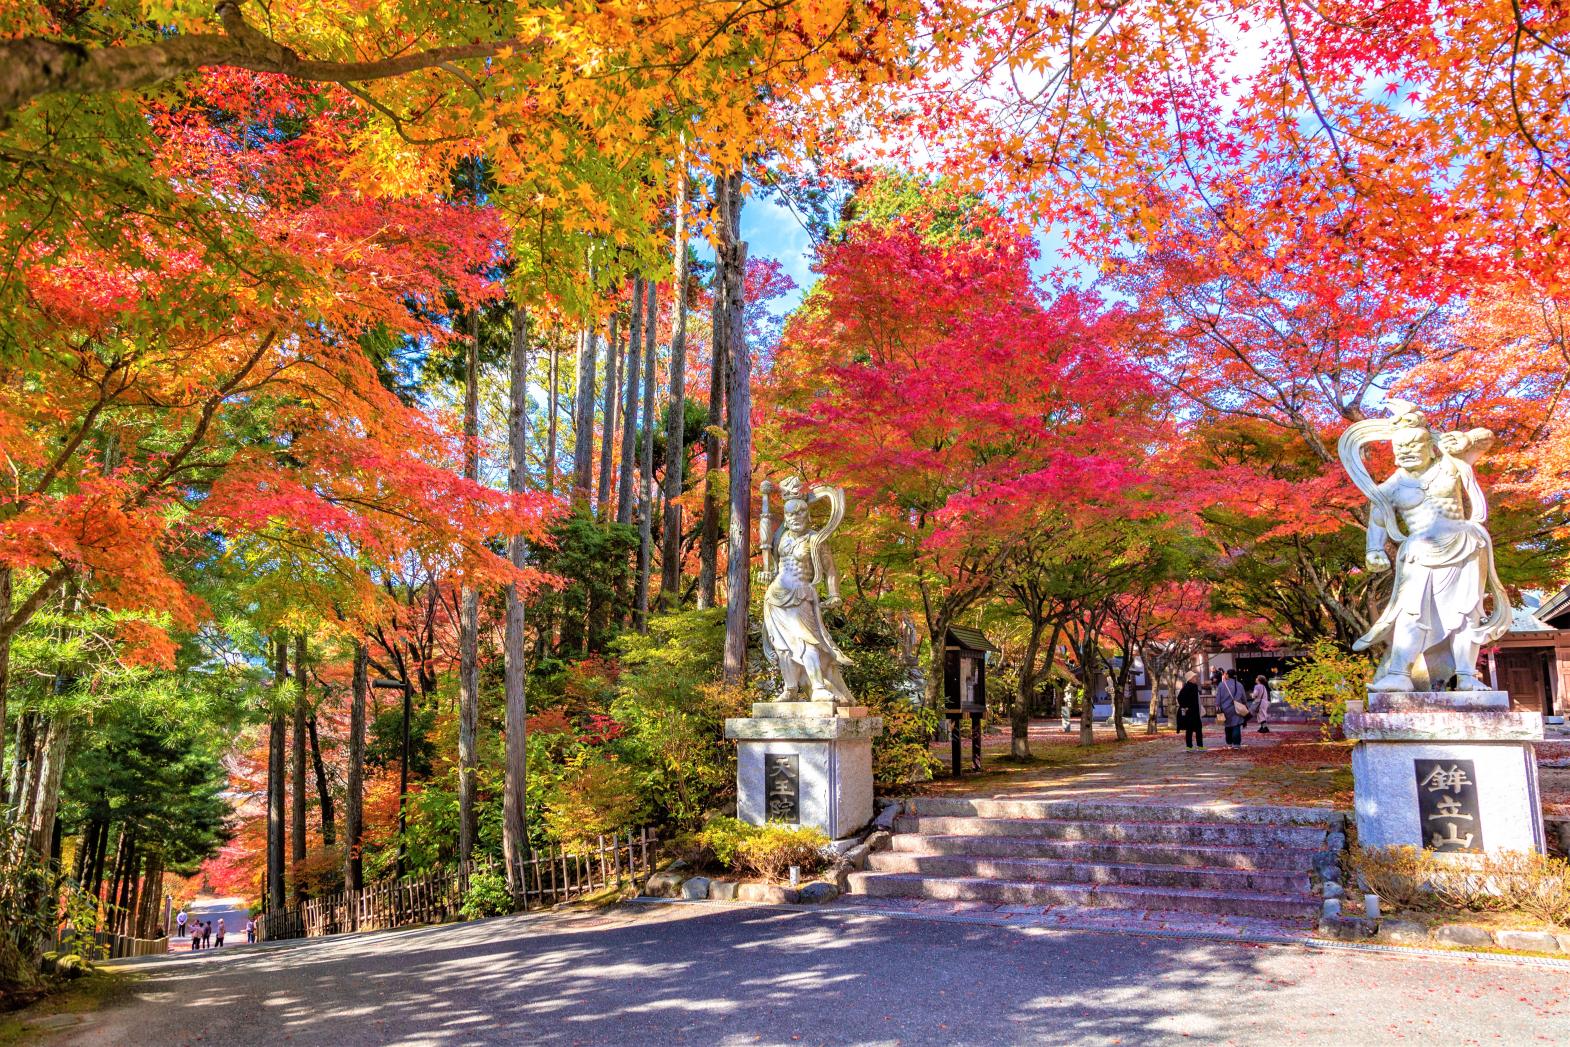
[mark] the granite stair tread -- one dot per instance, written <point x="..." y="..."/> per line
<point x="1281" y="881"/>
<point x="1215" y="856"/>
<point x="1200" y="832"/>
<point x="1108" y="896"/>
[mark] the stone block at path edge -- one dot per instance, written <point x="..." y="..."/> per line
<point x="1527" y="941"/>
<point x="722" y="890"/>
<point x="1403" y="932"/>
<point x="695" y="889"/>
<point x="1345" y="928"/>
<point x="817" y="893"/>
<point x="767" y="892"/>
<point x="665" y="884"/>
<point x="1468" y="935"/>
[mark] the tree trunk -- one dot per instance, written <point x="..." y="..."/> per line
<point x="583" y="419"/>
<point x="709" y="527"/>
<point x="514" y="671"/>
<point x="324" y="792"/>
<point x="276" y="732"/>
<point x="5" y="670"/>
<point x="675" y="422"/>
<point x="937" y="630"/>
<point x="46" y="800"/>
<point x="148" y="925"/>
<point x="1090" y="673"/>
<point x="297" y="770"/>
<point x="646" y="466"/>
<point x="738" y="359"/>
<point x="469" y="613"/>
<point x="629" y="412"/>
<point x="1019" y="715"/>
<point x="1153" y="715"/>
<point x="95" y="879"/>
<point x="24" y="767"/>
<point x="85" y="849"/>
<point x="553" y="414"/>
<point x="608" y="428"/>
<point x="354" y="801"/>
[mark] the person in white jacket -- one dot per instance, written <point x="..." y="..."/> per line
<point x="1261" y="702"/>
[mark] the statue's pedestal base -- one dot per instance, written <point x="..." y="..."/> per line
<point x="1452" y="771"/>
<point x="800" y="763"/>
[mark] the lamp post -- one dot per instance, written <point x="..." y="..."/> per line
<point x="403" y="763"/>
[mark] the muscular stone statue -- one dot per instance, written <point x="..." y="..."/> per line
<point x="1432" y="508"/>
<point x="795" y="558"/>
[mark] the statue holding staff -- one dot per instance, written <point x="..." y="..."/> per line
<point x="1433" y="509"/>
<point x="795" y="558"/>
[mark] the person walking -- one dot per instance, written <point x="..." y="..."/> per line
<point x="1261" y="704"/>
<point x="1188" y="718"/>
<point x="1232" y="705"/>
<point x="250" y="931"/>
<point x="180" y="921"/>
<point x="207" y="934"/>
<point x="220" y="932"/>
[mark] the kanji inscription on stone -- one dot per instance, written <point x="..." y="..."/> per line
<point x="1447" y="805"/>
<point x="781" y="788"/>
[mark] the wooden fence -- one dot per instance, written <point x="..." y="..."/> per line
<point x="104" y="944"/>
<point x="543" y="878"/>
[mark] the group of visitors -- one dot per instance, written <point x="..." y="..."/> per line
<point x="1234" y="707"/>
<point x="204" y="934"/>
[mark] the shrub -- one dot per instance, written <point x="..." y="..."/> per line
<point x="771" y="850"/>
<point x="596" y="796"/>
<point x="1326" y="681"/>
<point x="487" y="896"/>
<point x="724" y="836"/>
<point x="1512" y="881"/>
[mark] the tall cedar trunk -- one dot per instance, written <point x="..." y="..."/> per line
<point x="297" y="770"/>
<point x="583" y="418"/>
<point x="85" y="849"/>
<point x="629" y="411"/>
<point x="612" y="394"/>
<point x="5" y="669"/>
<point x="148" y="924"/>
<point x="646" y="465"/>
<point x="24" y="767"/>
<point x="469" y="612"/>
<point x="46" y="800"/>
<point x="553" y="413"/>
<point x="514" y="671"/>
<point x="95" y="878"/>
<point x="709" y="527"/>
<point x="1019" y="715"/>
<point x="676" y="399"/>
<point x="126" y="899"/>
<point x="738" y="557"/>
<point x="324" y="791"/>
<point x="276" y="732"/>
<point x="122" y="852"/>
<point x="354" y="801"/>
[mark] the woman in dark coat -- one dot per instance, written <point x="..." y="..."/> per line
<point x="1188" y="720"/>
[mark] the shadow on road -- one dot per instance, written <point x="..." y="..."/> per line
<point x="654" y="975"/>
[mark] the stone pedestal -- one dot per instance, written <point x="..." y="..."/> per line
<point x="1452" y="771"/>
<point x="803" y="763"/>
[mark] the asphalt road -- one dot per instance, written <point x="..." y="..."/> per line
<point x="729" y="975"/>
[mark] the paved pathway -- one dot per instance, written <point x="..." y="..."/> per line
<point x="731" y="975"/>
<point x="231" y="910"/>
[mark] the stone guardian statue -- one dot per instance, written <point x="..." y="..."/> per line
<point x="796" y="558"/>
<point x="1432" y="508"/>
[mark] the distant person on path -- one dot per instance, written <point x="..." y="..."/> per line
<point x="220" y="932"/>
<point x="250" y="931"/>
<point x="1231" y="703"/>
<point x="196" y="939"/>
<point x="180" y="920"/>
<point x="1188" y="720"/>
<point x="1261" y="704"/>
<point x="207" y="934"/>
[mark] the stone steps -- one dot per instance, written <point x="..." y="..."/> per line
<point x="1190" y="855"/>
<point x="1215" y="860"/>
<point x="1100" y="896"/>
<point x="1038" y="870"/>
<point x="1239" y="834"/>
